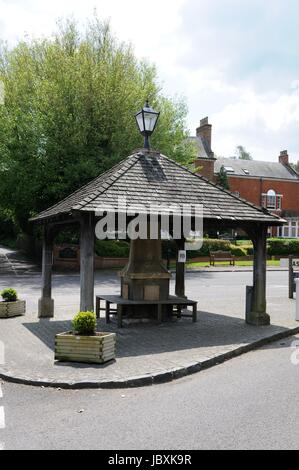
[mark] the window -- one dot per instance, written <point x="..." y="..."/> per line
<point x="247" y="172"/>
<point x="229" y="169"/>
<point x="271" y="200"/>
<point x="290" y="230"/>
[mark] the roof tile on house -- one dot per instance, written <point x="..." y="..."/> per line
<point x="257" y="168"/>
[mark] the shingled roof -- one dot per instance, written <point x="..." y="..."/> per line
<point x="148" y="178"/>
<point x="255" y="168"/>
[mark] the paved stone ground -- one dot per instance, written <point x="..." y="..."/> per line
<point x="15" y="262"/>
<point x="144" y="350"/>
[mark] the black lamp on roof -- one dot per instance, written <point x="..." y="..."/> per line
<point x="147" y="120"/>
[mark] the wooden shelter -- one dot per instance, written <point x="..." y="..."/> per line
<point x="147" y="177"/>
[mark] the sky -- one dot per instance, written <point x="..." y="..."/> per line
<point x="236" y="61"/>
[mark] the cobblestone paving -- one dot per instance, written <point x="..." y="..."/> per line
<point x="143" y="349"/>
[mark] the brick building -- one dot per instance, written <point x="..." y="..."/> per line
<point x="274" y="185"/>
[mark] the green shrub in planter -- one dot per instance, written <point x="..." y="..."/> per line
<point x="84" y="323"/>
<point x="9" y="295"/>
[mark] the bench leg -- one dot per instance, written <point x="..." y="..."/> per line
<point x="119" y="316"/>
<point x="179" y="310"/>
<point x="194" y="313"/>
<point x="159" y="313"/>
<point x="107" y="311"/>
<point x="98" y="304"/>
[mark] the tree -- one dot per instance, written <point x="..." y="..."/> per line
<point x="242" y="153"/>
<point x="69" y="114"/>
<point x="296" y="166"/>
<point x="222" y="179"/>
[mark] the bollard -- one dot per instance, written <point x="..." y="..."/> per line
<point x="297" y="298"/>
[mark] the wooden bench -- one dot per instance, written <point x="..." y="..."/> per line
<point x="221" y="256"/>
<point x="116" y="305"/>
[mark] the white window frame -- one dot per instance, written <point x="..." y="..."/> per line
<point x="289" y="230"/>
<point x="271" y="200"/>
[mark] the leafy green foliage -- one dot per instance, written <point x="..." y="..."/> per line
<point x="222" y="179"/>
<point x="237" y="251"/>
<point x="296" y="166"/>
<point x="112" y="248"/>
<point x="242" y="153"/>
<point x="84" y="323"/>
<point x="210" y="244"/>
<point x="7" y="226"/>
<point x="69" y="115"/>
<point x="280" y="246"/>
<point x="9" y="295"/>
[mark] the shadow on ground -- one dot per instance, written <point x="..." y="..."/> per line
<point x="149" y="339"/>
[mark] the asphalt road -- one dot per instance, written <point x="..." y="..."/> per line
<point x="250" y="402"/>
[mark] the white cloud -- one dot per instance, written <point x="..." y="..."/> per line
<point x="234" y="61"/>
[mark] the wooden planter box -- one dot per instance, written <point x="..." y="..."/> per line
<point x="12" y="309"/>
<point x="97" y="349"/>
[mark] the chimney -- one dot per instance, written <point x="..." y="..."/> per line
<point x="205" y="132"/>
<point x="206" y="160"/>
<point x="284" y="157"/>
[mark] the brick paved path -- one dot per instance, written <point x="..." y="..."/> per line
<point x="145" y="349"/>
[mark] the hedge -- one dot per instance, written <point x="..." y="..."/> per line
<point x="210" y="244"/>
<point x="237" y="251"/>
<point x="283" y="246"/>
<point x="276" y="246"/>
<point x="112" y="248"/>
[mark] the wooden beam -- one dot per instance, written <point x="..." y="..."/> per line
<point x="257" y="314"/>
<point x="87" y="262"/>
<point x="46" y="303"/>
<point x="180" y="271"/>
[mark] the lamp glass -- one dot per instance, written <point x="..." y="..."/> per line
<point x="150" y="120"/>
<point x="146" y="120"/>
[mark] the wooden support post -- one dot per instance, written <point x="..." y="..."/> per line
<point x="107" y="312"/>
<point x="194" y="312"/>
<point x="159" y="308"/>
<point x="119" y="316"/>
<point x="87" y="263"/>
<point x="258" y="316"/>
<point x="98" y="307"/>
<point x="179" y="311"/>
<point x="46" y="303"/>
<point x="291" y="278"/>
<point x="180" y="271"/>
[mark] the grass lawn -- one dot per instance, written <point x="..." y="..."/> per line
<point x="238" y="263"/>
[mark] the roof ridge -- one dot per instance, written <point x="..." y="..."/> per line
<point x="247" y="161"/>
<point x="261" y="209"/>
<point x="96" y="193"/>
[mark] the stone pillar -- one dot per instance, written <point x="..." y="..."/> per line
<point x="46" y="303"/>
<point x="258" y="316"/>
<point x="87" y="262"/>
<point x="180" y="271"/>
